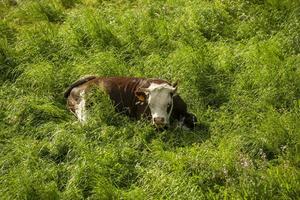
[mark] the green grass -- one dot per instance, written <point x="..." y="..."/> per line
<point x="238" y="67"/>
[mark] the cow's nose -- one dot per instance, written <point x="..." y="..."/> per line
<point x="159" y="121"/>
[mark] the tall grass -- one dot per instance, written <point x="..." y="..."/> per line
<point x="238" y="67"/>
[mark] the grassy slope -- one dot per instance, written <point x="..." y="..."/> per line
<point x="238" y="66"/>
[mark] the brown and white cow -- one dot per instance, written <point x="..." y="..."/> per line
<point x="136" y="97"/>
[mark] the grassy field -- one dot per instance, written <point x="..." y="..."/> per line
<point x="238" y="67"/>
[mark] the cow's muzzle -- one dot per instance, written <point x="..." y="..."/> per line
<point x="159" y="122"/>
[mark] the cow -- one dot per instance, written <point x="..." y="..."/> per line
<point x="138" y="98"/>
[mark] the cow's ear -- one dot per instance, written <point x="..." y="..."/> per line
<point x="174" y="92"/>
<point x="175" y="84"/>
<point x="141" y="96"/>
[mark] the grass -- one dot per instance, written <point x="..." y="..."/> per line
<point x="238" y="67"/>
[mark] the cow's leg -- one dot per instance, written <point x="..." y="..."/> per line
<point x="190" y="120"/>
<point x="182" y="125"/>
<point x="186" y="122"/>
<point x="80" y="109"/>
<point x="179" y="124"/>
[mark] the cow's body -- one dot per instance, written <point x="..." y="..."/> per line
<point x="125" y="94"/>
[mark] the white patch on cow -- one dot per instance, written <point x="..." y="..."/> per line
<point x="159" y="99"/>
<point x="80" y="109"/>
<point x="182" y="126"/>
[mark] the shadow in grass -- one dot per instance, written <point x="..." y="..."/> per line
<point x="181" y="138"/>
<point x="62" y="153"/>
<point x="213" y="86"/>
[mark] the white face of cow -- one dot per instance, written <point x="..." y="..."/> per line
<point x="160" y="101"/>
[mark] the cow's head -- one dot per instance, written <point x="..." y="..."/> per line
<point x="159" y="98"/>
